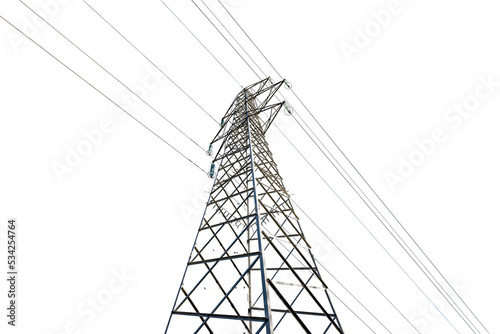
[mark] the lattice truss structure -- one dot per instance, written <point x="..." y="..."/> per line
<point x="251" y="269"/>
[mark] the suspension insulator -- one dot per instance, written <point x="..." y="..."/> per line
<point x="211" y="173"/>
<point x="288" y="109"/>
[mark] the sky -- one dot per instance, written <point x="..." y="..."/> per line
<point x="107" y="212"/>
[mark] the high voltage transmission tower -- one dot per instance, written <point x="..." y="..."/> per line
<point x="251" y="269"/>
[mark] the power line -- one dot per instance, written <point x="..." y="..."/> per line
<point x="325" y="181"/>
<point x="222" y="24"/>
<point x="340" y="173"/>
<point x="201" y="43"/>
<point x="101" y="92"/>
<point x="151" y="62"/>
<point x="366" y="228"/>
<point x="447" y="297"/>
<point x="355" y="266"/>
<point x="104" y="95"/>
<point x="357" y="316"/>
<point x="419" y="263"/>
<point x="243" y="30"/>
<point x="259" y="78"/>
<point x="114" y="77"/>
<point x="221" y="64"/>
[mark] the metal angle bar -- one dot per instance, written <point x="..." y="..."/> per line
<point x="259" y="110"/>
<point x="196" y="310"/>
<point x="232" y="257"/>
<point x="282" y="236"/>
<point x="290" y="309"/>
<point x="286" y="234"/>
<point x="235" y="105"/>
<point x="230" y="195"/>
<point x="233" y="230"/>
<point x="211" y="268"/>
<point x="313" y="269"/>
<point x="327" y="295"/>
<point x="265" y="291"/>
<point x="230" y="153"/>
<point x="213" y="142"/>
<point x="279" y="268"/>
<point x="295" y="299"/>
<point x="298" y="312"/>
<point x="235" y="210"/>
<point x="230" y="198"/>
<point x="241" y="204"/>
<point x="226" y="167"/>
<point x="272" y="179"/>
<point x="288" y="241"/>
<point x="266" y="158"/>
<point x="272" y="116"/>
<point x="228" y="114"/>
<point x="221" y="316"/>
<point x="185" y="270"/>
<point x="285" y="201"/>
<point x="227" y="294"/>
<point x="261" y="328"/>
<point x="224" y="292"/>
<point x="276" y="273"/>
<point x="217" y="238"/>
<point x="299" y="285"/>
<point x="261" y="83"/>
<point x="274" y="174"/>
<point x="305" y="287"/>
<point x="206" y="243"/>
<point x="223" y="182"/>
<point x="224" y="249"/>
<point x="235" y="126"/>
<point x="228" y="222"/>
<point x="271" y="89"/>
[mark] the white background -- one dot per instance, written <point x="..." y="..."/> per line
<point x="133" y="204"/>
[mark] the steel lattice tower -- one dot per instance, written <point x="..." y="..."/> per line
<point x="251" y="270"/>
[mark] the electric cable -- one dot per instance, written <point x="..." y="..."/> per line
<point x="323" y="179"/>
<point x="251" y="68"/>
<point x="104" y="95"/>
<point x="355" y="266"/>
<point x="357" y="316"/>
<point x="419" y="265"/>
<point x="114" y="77"/>
<point x="150" y="61"/>
<point x="366" y="228"/>
<point x="447" y="298"/>
<point x="201" y="43"/>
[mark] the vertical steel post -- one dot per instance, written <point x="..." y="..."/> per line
<point x="263" y="271"/>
